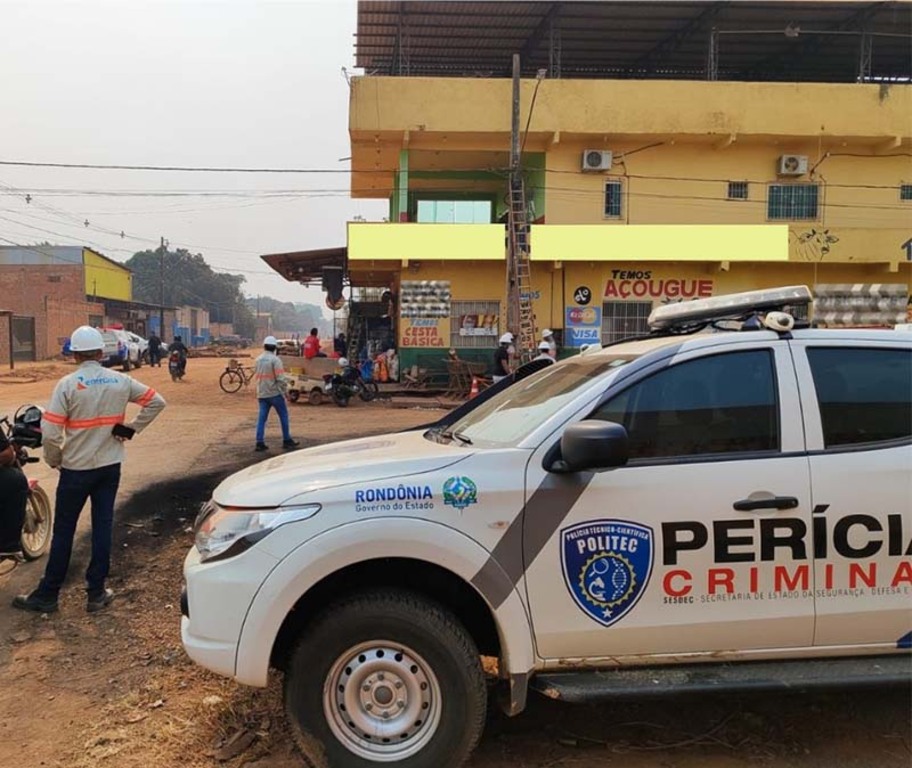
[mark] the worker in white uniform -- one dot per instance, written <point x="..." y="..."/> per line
<point x="544" y="352"/>
<point x="548" y="338"/>
<point x="84" y="429"/>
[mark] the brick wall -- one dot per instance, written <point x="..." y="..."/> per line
<point x="31" y="290"/>
<point x="63" y="317"/>
<point x="5" y="350"/>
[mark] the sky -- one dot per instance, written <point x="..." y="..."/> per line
<point x="234" y="83"/>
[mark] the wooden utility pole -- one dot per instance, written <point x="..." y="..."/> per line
<point x="515" y="180"/>
<point x="161" y="295"/>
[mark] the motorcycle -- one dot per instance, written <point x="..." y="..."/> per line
<point x="177" y="365"/>
<point x="348" y="383"/>
<point x="24" y="433"/>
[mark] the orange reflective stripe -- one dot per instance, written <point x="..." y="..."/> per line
<point x="266" y="376"/>
<point x="101" y="421"/>
<point x="54" y="418"/>
<point x="146" y="397"/>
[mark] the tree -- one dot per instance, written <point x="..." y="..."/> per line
<point x="290" y="317"/>
<point x="189" y="280"/>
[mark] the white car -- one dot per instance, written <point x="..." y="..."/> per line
<point x="722" y="510"/>
<point x="121" y="348"/>
<point x="142" y="346"/>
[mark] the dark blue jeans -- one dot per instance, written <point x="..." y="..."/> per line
<point x="277" y="402"/>
<point x="13" y="498"/>
<point x="73" y="490"/>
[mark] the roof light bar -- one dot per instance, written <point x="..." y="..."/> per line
<point x="733" y="305"/>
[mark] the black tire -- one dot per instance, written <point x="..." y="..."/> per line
<point x="407" y="622"/>
<point x="340" y="399"/>
<point x="39" y="523"/>
<point x="126" y="365"/>
<point x="294" y="395"/>
<point x="315" y="397"/>
<point x="369" y="390"/>
<point x="230" y="381"/>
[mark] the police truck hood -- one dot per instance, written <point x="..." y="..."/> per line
<point x="279" y="480"/>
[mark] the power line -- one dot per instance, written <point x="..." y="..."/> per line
<point x="178" y="168"/>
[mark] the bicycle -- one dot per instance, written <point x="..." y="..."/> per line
<point x="235" y="376"/>
<point x="39" y="514"/>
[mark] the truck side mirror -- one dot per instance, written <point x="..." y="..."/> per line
<point x="592" y="445"/>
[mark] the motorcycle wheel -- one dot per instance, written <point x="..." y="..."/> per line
<point x="294" y="395"/>
<point x="340" y="399"/>
<point x="39" y="522"/>
<point x="369" y="390"/>
<point x="229" y="381"/>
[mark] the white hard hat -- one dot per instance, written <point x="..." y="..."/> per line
<point x="270" y="341"/>
<point x="343" y="362"/>
<point x="547" y="332"/>
<point x="507" y="338"/>
<point x="86" y="339"/>
<point x="544" y="346"/>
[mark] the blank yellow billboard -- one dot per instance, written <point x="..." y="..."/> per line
<point x="426" y="242"/>
<point x="660" y="242"/>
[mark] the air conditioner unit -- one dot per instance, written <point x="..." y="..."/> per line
<point x="793" y="165"/>
<point x="597" y="160"/>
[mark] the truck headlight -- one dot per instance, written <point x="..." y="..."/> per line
<point x="223" y="532"/>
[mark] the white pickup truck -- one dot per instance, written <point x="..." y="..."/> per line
<point x="719" y="509"/>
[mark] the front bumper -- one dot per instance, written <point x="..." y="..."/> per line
<point x="214" y="604"/>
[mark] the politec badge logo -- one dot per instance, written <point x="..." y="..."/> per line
<point x="606" y="566"/>
<point x="459" y="493"/>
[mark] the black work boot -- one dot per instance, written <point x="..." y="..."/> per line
<point x="99" y="601"/>
<point x="261" y="447"/>
<point x="35" y="603"/>
<point x="289" y="444"/>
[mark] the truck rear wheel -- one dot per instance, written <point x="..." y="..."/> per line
<point x="386" y="677"/>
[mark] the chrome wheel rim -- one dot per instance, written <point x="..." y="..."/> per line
<point x="382" y="701"/>
<point x="36" y="528"/>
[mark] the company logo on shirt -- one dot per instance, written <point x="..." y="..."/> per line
<point x="83" y="383"/>
<point x="606" y="566"/>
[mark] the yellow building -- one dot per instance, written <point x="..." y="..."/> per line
<point x="706" y="149"/>
<point x="106" y="278"/>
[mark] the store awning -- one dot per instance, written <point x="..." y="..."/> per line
<point x="306" y="266"/>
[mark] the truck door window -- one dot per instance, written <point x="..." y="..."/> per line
<point x="865" y="395"/>
<point x="720" y="404"/>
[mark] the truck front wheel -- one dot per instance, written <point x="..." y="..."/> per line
<point x="386" y="677"/>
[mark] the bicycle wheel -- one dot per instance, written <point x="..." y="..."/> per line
<point x="39" y="522"/>
<point x="231" y="381"/>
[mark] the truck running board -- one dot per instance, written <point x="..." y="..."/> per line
<point x="578" y="687"/>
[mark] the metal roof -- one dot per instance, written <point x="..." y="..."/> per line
<point x="306" y="266"/>
<point x="789" y="40"/>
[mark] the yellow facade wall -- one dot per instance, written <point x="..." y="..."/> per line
<point x="597" y="107"/>
<point x="106" y="279"/>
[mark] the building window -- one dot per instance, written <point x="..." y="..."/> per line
<point x="737" y="190"/>
<point x="623" y="319"/>
<point x="792" y="202"/>
<point x="864" y="394"/>
<point x="454" y="211"/>
<point x="719" y="404"/>
<point x="905" y="191"/>
<point x="614" y="198"/>
<point x="474" y="324"/>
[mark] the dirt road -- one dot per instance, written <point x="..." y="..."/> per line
<point x="115" y="689"/>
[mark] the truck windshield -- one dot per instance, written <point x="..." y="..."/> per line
<point x="507" y="418"/>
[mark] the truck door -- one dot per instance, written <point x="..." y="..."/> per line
<point x="857" y="399"/>
<point x="699" y="543"/>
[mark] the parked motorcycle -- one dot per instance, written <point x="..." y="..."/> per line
<point x="348" y="383"/>
<point x="177" y="365"/>
<point x="23" y="433"/>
